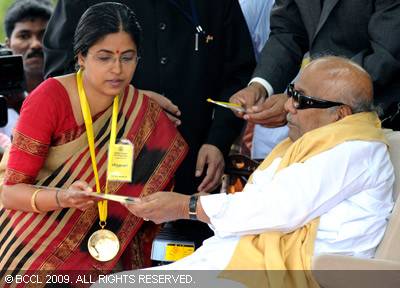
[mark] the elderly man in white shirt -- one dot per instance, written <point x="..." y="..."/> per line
<point x="348" y="185"/>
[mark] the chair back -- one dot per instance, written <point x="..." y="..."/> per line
<point x="389" y="248"/>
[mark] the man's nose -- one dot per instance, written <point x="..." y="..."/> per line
<point x="289" y="107"/>
<point x="36" y="43"/>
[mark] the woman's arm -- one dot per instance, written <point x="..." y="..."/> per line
<point x="29" y="198"/>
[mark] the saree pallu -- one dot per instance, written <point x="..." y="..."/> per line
<point x="57" y="240"/>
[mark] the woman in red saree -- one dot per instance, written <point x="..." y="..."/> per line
<point x="48" y="229"/>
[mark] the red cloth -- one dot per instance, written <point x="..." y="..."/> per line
<point x="46" y="120"/>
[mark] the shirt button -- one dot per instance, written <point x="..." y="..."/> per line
<point x="163" y="60"/>
<point x="162" y="26"/>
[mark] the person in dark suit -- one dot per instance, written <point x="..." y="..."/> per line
<point x="366" y="31"/>
<point x="191" y="51"/>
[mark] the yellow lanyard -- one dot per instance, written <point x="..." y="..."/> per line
<point x="102" y="205"/>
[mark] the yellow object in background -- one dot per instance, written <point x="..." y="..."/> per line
<point x="175" y="252"/>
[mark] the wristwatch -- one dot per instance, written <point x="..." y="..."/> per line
<point x="192" y="207"/>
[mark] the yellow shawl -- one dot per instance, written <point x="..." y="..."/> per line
<point x="282" y="252"/>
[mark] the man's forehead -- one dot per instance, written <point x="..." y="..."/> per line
<point x="314" y="81"/>
<point x="31" y="23"/>
<point x="307" y="77"/>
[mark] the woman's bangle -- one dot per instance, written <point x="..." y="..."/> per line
<point x="57" y="199"/>
<point x="33" y="201"/>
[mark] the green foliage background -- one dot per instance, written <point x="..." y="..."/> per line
<point x="4" y="4"/>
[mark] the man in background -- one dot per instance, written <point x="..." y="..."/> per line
<point x="25" y="23"/>
<point x="360" y="30"/>
<point x="258" y="141"/>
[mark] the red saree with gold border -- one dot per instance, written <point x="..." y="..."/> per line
<point x="57" y="241"/>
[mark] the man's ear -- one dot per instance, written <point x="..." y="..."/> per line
<point x="344" y="111"/>
<point x="7" y="42"/>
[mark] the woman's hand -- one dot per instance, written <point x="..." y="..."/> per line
<point x="76" y="197"/>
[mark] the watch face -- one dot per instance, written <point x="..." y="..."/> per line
<point x="193" y="207"/>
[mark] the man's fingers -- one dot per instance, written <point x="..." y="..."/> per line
<point x="174" y="120"/>
<point x="261" y="106"/>
<point x="207" y="182"/>
<point x="238" y="99"/>
<point x="164" y="102"/>
<point x="259" y="117"/>
<point x="266" y="116"/>
<point x="137" y="209"/>
<point x="172" y="108"/>
<point x="216" y="181"/>
<point x="211" y="185"/>
<point x="201" y="160"/>
<point x="270" y="113"/>
<point x="275" y="121"/>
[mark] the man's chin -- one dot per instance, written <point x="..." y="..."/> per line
<point x="293" y="135"/>
<point x="34" y="70"/>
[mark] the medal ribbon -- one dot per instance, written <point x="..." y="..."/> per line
<point x="102" y="205"/>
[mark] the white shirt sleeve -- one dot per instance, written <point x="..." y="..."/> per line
<point x="301" y="192"/>
<point x="265" y="84"/>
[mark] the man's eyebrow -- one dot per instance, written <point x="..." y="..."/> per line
<point x="23" y="31"/>
<point x="298" y="89"/>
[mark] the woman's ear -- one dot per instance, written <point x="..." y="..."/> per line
<point x="81" y="61"/>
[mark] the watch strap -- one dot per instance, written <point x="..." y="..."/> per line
<point x="193" y="207"/>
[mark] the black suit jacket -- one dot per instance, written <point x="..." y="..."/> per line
<point x="367" y="31"/>
<point x="170" y="65"/>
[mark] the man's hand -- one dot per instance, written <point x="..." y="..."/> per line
<point x="248" y="97"/>
<point x="161" y="207"/>
<point x="271" y="113"/>
<point x="171" y="109"/>
<point x="211" y="156"/>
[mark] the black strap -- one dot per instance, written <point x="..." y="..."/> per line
<point x="193" y="207"/>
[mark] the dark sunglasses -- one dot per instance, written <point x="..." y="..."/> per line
<point x="304" y="102"/>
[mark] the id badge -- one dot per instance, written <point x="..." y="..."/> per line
<point x="121" y="166"/>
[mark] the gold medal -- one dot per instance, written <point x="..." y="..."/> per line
<point x="103" y="245"/>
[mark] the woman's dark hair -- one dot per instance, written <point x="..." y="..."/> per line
<point x="102" y="19"/>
